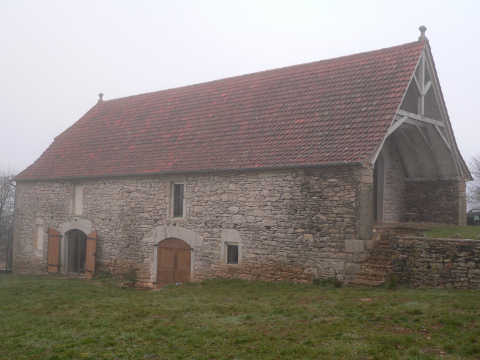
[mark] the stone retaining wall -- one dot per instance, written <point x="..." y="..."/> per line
<point x="420" y="261"/>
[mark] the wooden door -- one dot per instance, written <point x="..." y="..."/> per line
<point x="173" y="262"/>
<point x="166" y="265"/>
<point x="91" y="254"/>
<point x="53" y="257"/>
<point x="182" y="265"/>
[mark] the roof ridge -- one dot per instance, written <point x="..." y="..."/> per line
<point x="368" y="52"/>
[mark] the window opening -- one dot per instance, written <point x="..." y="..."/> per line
<point x="232" y="254"/>
<point x="178" y="190"/>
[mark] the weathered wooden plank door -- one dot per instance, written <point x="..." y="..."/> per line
<point x="182" y="266"/>
<point x="173" y="262"/>
<point x="166" y="265"/>
<point x="91" y="254"/>
<point x="53" y="256"/>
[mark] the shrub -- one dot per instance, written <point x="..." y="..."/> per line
<point x="130" y="278"/>
<point x="391" y="281"/>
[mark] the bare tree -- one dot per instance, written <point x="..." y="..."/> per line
<point x="474" y="186"/>
<point x="7" y="204"/>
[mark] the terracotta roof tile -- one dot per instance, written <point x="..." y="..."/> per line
<point x="328" y="111"/>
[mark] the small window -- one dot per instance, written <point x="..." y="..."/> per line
<point x="177" y="200"/>
<point x="232" y="254"/>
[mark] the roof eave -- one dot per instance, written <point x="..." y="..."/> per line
<point x="187" y="172"/>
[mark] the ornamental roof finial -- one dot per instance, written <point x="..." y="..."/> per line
<point x="422" y="29"/>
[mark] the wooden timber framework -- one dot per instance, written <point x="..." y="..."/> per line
<point x="425" y="82"/>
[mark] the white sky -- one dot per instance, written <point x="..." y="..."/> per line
<point x="56" y="56"/>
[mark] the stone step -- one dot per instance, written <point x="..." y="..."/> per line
<point x="366" y="282"/>
<point x="379" y="261"/>
<point x="379" y="245"/>
<point x="372" y="269"/>
<point x="382" y="248"/>
<point x="383" y="262"/>
<point x="377" y="276"/>
<point x="375" y="269"/>
<point x="371" y="278"/>
<point x="379" y="257"/>
<point x="378" y="264"/>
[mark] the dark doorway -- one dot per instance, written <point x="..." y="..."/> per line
<point x="76" y="246"/>
<point x="173" y="262"/>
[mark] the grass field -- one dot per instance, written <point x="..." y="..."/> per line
<point x="454" y="232"/>
<point x="54" y="318"/>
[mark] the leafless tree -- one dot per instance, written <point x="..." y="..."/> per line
<point x="7" y="204"/>
<point x="474" y="186"/>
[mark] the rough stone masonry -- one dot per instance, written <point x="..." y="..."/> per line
<point x="289" y="224"/>
<point x="420" y="261"/>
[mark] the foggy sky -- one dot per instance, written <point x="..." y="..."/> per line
<point x="56" y="56"/>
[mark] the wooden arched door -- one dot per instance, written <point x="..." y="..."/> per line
<point x="173" y="261"/>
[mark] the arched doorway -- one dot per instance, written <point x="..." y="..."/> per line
<point x="173" y="261"/>
<point x="76" y="251"/>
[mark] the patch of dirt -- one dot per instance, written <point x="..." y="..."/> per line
<point x="365" y="300"/>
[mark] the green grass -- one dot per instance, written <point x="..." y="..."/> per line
<point x="454" y="232"/>
<point x="54" y="318"/>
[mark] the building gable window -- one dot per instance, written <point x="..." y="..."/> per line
<point x="177" y="200"/>
<point x="232" y="254"/>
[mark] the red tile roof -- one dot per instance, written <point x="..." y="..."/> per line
<point x="323" y="112"/>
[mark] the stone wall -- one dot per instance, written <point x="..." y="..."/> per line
<point x="394" y="185"/>
<point x="420" y="261"/>
<point x="37" y="206"/>
<point x="292" y="224"/>
<point x="440" y="201"/>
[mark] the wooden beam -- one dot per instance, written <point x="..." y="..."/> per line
<point x="431" y="153"/>
<point x="421" y="118"/>
<point x="421" y="102"/>
<point x="427" y="87"/>
<point x="399" y="122"/>
<point x="424" y="137"/>
<point x="419" y="87"/>
<point x="407" y="139"/>
<point x="414" y="122"/>
<point x="427" y="141"/>
<point x="450" y="144"/>
<point x="447" y="144"/>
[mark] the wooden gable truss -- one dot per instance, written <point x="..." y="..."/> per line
<point x="422" y="116"/>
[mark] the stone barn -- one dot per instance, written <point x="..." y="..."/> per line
<point x="280" y="174"/>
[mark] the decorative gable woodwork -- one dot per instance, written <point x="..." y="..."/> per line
<point x="421" y="128"/>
